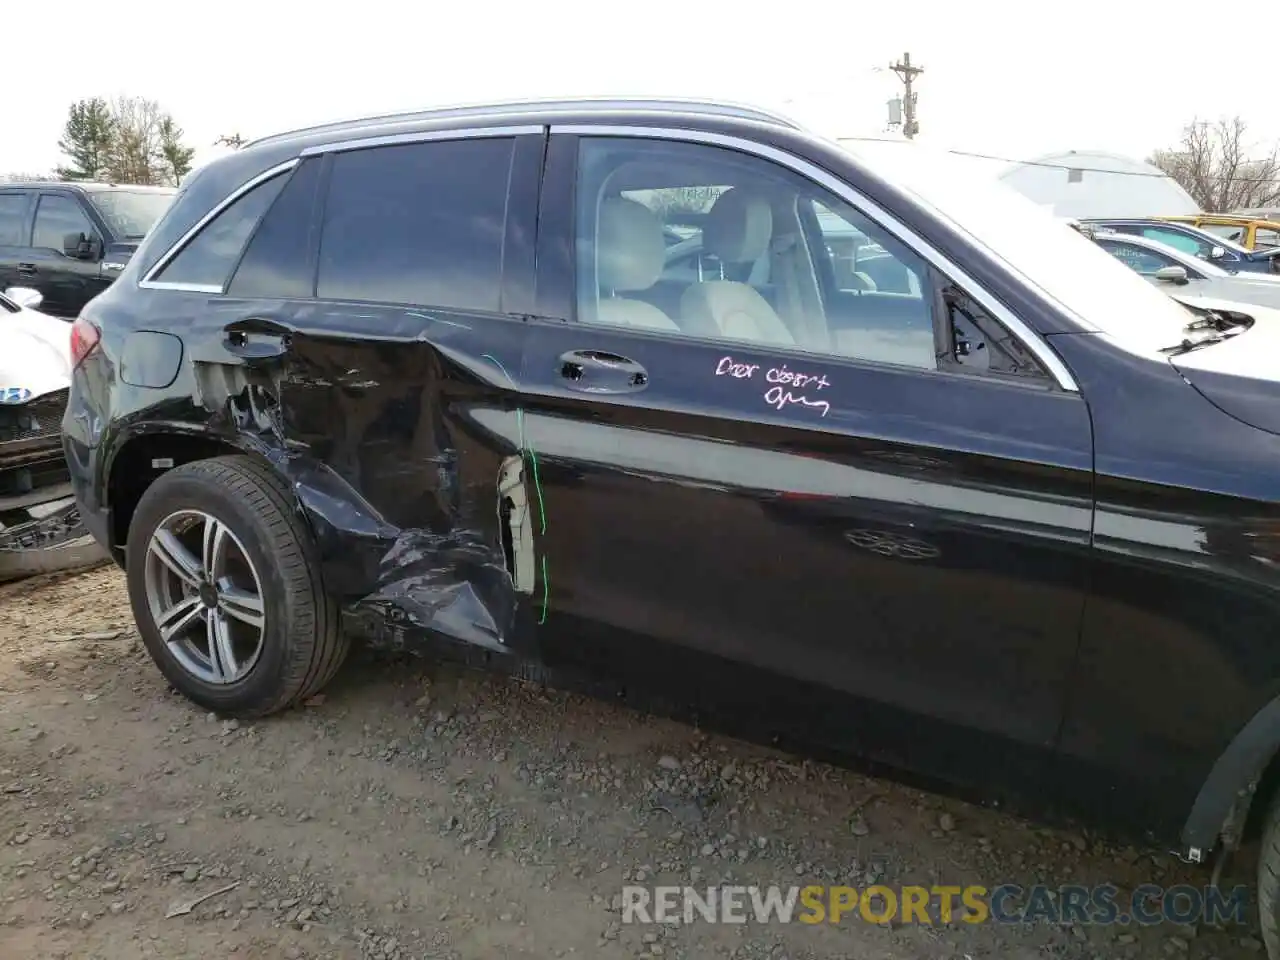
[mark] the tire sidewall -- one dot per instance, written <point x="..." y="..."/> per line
<point x="192" y="491"/>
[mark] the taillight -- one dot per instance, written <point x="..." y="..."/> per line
<point x="84" y="340"/>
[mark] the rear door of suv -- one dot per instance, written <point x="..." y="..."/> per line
<point x="15" y="232"/>
<point x="370" y="301"/>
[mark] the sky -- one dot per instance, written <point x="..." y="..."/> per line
<point x="1014" y="80"/>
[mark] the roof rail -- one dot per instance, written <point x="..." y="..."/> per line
<point x="481" y="111"/>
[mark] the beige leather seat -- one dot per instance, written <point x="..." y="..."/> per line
<point x="738" y="229"/>
<point x="630" y="255"/>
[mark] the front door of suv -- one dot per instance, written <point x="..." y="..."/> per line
<point x="795" y="508"/>
<point x="66" y="281"/>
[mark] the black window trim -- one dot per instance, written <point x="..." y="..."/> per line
<point x="1038" y="348"/>
<point x="148" y="283"/>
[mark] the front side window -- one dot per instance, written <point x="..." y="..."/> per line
<point x="1144" y="261"/>
<point x="419" y="223"/>
<point x="1179" y="241"/>
<point x="766" y="256"/>
<point x="1227" y="231"/>
<point x="13" y="219"/>
<point x="208" y="259"/>
<point x="58" y="219"/>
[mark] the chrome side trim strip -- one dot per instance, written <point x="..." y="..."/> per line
<point x="148" y="281"/>
<point x="422" y="136"/>
<point x="185" y="287"/>
<point x="883" y="218"/>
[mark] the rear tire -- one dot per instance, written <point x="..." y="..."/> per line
<point x="1269" y="881"/>
<point x="205" y="539"/>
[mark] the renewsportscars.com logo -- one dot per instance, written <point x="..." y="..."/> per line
<point x="1105" y="904"/>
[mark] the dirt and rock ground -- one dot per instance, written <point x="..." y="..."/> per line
<point x="421" y="810"/>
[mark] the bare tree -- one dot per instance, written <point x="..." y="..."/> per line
<point x="1221" y="170"/>
<point x="136" y="155"/>
<point x="233" y="140"/>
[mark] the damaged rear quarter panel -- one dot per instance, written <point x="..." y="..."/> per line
<point x="370" y="412"/>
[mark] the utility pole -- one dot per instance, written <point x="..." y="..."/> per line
<point x="907" y="72"/>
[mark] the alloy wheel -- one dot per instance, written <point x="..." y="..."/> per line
<point x="205" y="597"/>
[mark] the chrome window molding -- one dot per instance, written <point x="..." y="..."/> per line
<point x="492" y="110"/>
<point x="422" y="136"/>
<point x="186" y="287"/>
<point x="148" y="280"/>
<point x="1030" y="339"/>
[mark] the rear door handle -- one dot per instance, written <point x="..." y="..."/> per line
<point x="256" y="340"/>
<point x="597" y="371"/>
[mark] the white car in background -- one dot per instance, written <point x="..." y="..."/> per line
<point x="1177" y="272"/>
<point x="40" y="528"/>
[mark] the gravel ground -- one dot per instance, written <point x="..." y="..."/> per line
<point x="421" y="810"/>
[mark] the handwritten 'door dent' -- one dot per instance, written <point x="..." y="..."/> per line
<point x="785" y="387"/>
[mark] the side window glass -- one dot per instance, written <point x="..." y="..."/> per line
<point x="747" y="267"/>
<point x="277" y="262"/>
<point x="419" y="223"/>
<point x="13" y="215"/>
<point x="881" y="305"/>
<point x="1225" y="230"/>
<point x="208" y="259"/>
<point x="1264" y="237"/>
<point x="1179" y="241"/>
<point x="1145" y="262"/>
<point x="58" y="219"/>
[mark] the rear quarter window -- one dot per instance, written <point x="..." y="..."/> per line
<point x="211" y="255"/>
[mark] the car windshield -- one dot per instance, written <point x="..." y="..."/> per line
<point x="1067" y="267"/>
<point x="131" y="213"/>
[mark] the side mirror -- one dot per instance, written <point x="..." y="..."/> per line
<point x="1173" y="274"/>
<point x="1217" y="253"/>
<point x="81" y="246"/>
<point x="25" y="297"/>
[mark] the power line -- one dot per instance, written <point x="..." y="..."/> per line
<point x="1065" y="166"/>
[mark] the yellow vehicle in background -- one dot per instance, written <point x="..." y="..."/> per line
<point x="1248" y="232"/>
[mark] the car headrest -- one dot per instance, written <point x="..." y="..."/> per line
<point x="629" y="248"/>
<point x="739" y="227"/>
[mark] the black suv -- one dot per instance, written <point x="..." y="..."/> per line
<point x="71" y="240"/>
<point x="1011" y="521"/>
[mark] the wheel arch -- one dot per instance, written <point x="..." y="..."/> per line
<point x="1239" y="787"/>
<point x="352" y="539"/>
<point x="143" y="455"/>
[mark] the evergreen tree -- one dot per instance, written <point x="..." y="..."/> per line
<point x="177" y="157"/>
<point x="87" y="139"/>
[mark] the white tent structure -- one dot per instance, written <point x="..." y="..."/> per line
<point x="1091" y="183"/>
